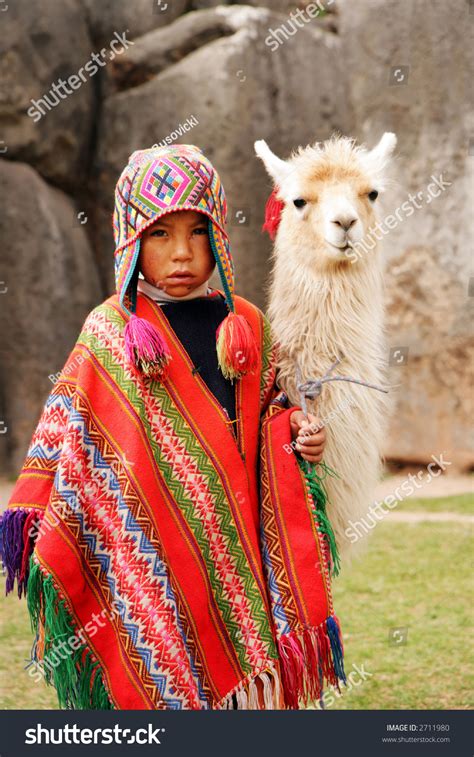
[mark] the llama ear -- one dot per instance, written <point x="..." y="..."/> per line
<point x="277" y="168"/>
<point x="382" y="152"/>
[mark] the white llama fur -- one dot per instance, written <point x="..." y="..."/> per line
<point x="322" y="305"/>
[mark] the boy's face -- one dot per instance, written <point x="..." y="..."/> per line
<point x="178" y="242"/>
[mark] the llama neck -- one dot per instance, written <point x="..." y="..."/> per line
<point x="330" y="312"/>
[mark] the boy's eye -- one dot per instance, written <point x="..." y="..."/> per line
<point x="162" y="232"/>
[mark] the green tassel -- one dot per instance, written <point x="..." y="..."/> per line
<point x="33" y="598"/>
<point x="70" y="673"/>
<point x="320" y="497"/>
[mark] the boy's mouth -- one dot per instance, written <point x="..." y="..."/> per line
<point x="180" y="275"/>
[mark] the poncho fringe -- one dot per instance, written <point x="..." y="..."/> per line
<point x="77" y="678"/>
<point x="309" y="658"/>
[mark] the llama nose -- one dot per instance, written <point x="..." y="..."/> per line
<point x="345" y="222"/>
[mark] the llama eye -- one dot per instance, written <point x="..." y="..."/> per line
<point x="373" y="195"/>
<point x="299" y="203"/>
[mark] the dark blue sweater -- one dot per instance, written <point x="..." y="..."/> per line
<point x="195" y="323"/>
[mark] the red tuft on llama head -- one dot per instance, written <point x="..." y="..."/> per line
<point x="273" y="210"/>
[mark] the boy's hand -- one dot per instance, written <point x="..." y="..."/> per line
<point x="309" y="443"/>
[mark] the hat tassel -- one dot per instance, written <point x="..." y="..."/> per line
<point x="237" y="352"/>
<point x="146" y="347"/>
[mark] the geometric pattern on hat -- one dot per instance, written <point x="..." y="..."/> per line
<point x="159" y="181"/>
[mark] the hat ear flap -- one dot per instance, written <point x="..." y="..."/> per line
<point x="221" y="251"/>
<point x="145" y="346"/>
<point x="237" y="351"/>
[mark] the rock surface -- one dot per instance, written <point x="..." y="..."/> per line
<point x="139" y="17"/>
<point x="49" y="284"/>
<point x="42" y="43"/>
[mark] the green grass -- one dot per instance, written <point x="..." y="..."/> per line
<point x="461" y="503"/>
<point x="419" y="577"/>
<point x="414" y="575"/>
<point x="18" y="690"/>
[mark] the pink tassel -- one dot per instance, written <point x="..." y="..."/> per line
<point x="237" y="351"/>
<point x="292" y="669"/>
<point x="313" y="680"/>
<point x="146" y="348"/>
<point x="305" y="662"/>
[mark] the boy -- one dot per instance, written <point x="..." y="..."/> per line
<point x="137" y="525"/>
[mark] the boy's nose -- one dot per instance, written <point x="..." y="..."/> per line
<point x="182" y="249"/>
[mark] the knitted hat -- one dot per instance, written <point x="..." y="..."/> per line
<point x="156" y="182"/>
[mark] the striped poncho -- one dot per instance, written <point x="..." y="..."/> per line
<point x="171" y="559"/>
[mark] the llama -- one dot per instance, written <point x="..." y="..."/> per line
<point x="326" y="302"/>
